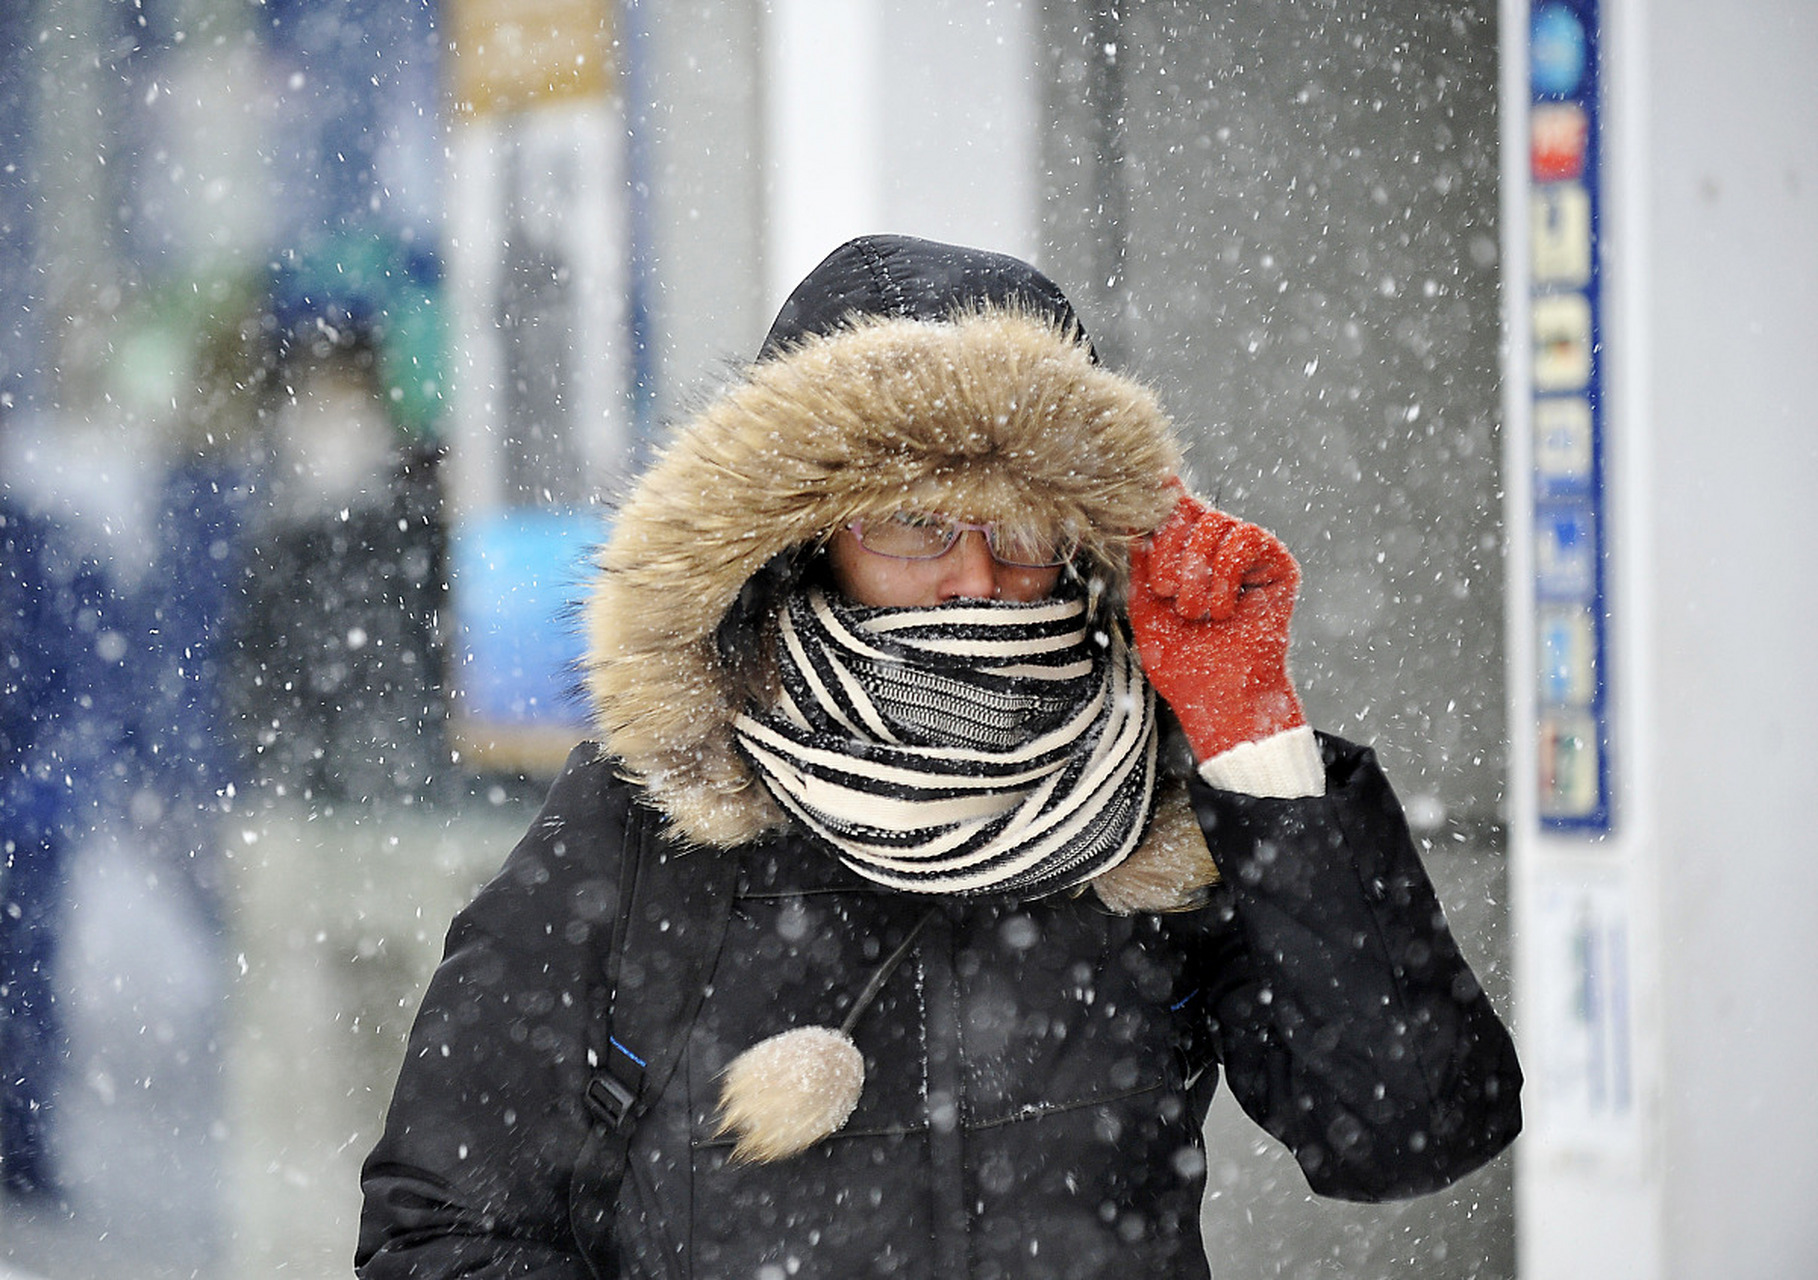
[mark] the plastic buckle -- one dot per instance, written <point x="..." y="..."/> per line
<point x="614" y="1090"/>
<point x="610" y="1099"/>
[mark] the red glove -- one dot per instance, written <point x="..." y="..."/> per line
<point x="1210" y="599"/>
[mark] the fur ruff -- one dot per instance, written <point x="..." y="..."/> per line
<point x="994" y="415"/>
<point x="1171" y="870"/>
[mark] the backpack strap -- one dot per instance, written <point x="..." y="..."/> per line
<point x="673" y="909"/>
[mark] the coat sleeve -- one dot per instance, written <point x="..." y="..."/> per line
<point x="1331" y="989"/>
<point x="471" y="1175"/>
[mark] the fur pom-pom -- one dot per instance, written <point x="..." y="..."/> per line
<point x="784" y="1094"/>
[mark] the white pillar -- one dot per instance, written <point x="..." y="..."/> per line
<point x="898" y="116"/>
<point x="1662" y="967"/>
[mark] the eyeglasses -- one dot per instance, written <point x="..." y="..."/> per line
<point x="923" y="535"/>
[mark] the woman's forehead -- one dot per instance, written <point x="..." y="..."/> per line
<point x="973" y="500"/>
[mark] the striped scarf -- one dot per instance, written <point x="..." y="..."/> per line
<point x="974" y="747"/>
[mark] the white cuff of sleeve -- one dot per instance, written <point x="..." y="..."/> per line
<point x="1284" y="766"/>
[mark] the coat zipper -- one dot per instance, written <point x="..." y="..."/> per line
<point x="946" y="1155"/>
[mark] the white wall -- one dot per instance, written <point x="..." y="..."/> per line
<point x="699" y="96"/>
<point x="910" y="116"/>
<point x="1730" y="289"/>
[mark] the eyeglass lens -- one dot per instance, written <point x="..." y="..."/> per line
<point x="914" y="535"/>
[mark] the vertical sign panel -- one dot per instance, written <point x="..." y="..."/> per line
<point x="1582" y="1094"/>
<point x="1570" y="519"/>
<point x="542" y="403"/>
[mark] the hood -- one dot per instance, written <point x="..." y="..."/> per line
<point x="900" y="374"/>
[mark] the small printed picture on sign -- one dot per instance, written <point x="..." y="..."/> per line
<point x="1560" y="240"/>
<point x="1562" y="443"/>
<point x="1559" y="140"/>
<point x="1565" y="551"/>
<point x="1568" y="765"/>
<point x="1562" y="342"/>
<point x="1568" y="656"/>
<point x="1559" y="50"/>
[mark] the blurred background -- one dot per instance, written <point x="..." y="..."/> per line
<point x="328" y="328"/>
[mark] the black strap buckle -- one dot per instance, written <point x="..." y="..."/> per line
<point x="611" y="1101"/>
<point x="614" y="1089"/>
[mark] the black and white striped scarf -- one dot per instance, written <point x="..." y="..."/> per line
<point x="973" y="747"/>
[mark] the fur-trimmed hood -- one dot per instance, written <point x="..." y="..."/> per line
<point x="997" y="410"/>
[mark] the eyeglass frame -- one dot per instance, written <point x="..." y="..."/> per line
<point x="957" y="529"/>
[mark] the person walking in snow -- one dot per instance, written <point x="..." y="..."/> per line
<point x="952" y="823"/>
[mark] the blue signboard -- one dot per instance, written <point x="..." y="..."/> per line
<point x="1571" y="535"/>
<point x="517" y="576"/>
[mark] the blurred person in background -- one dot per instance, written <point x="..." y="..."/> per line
<point x="56" y="644"/>
<point x="932" y="706"/>
<point x="185" y="608"/>
<point x="340" y="683"/>
<point x="338" y="704"/>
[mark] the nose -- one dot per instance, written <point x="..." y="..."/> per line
<point x="970" y="572"/>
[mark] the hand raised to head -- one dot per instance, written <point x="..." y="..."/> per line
<point x="1211" y="597"/>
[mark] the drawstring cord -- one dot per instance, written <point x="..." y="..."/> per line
<point x="786" y="1093"/>
<point x="882" y="974"/>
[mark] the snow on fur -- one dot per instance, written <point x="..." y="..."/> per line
<point x="784" y="1094"/>
<point x="995" y="415"/>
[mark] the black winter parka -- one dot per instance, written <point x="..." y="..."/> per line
<point x="1037" y="1073"/>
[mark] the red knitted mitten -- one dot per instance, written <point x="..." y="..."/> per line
<point x="1210" y="599"/>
